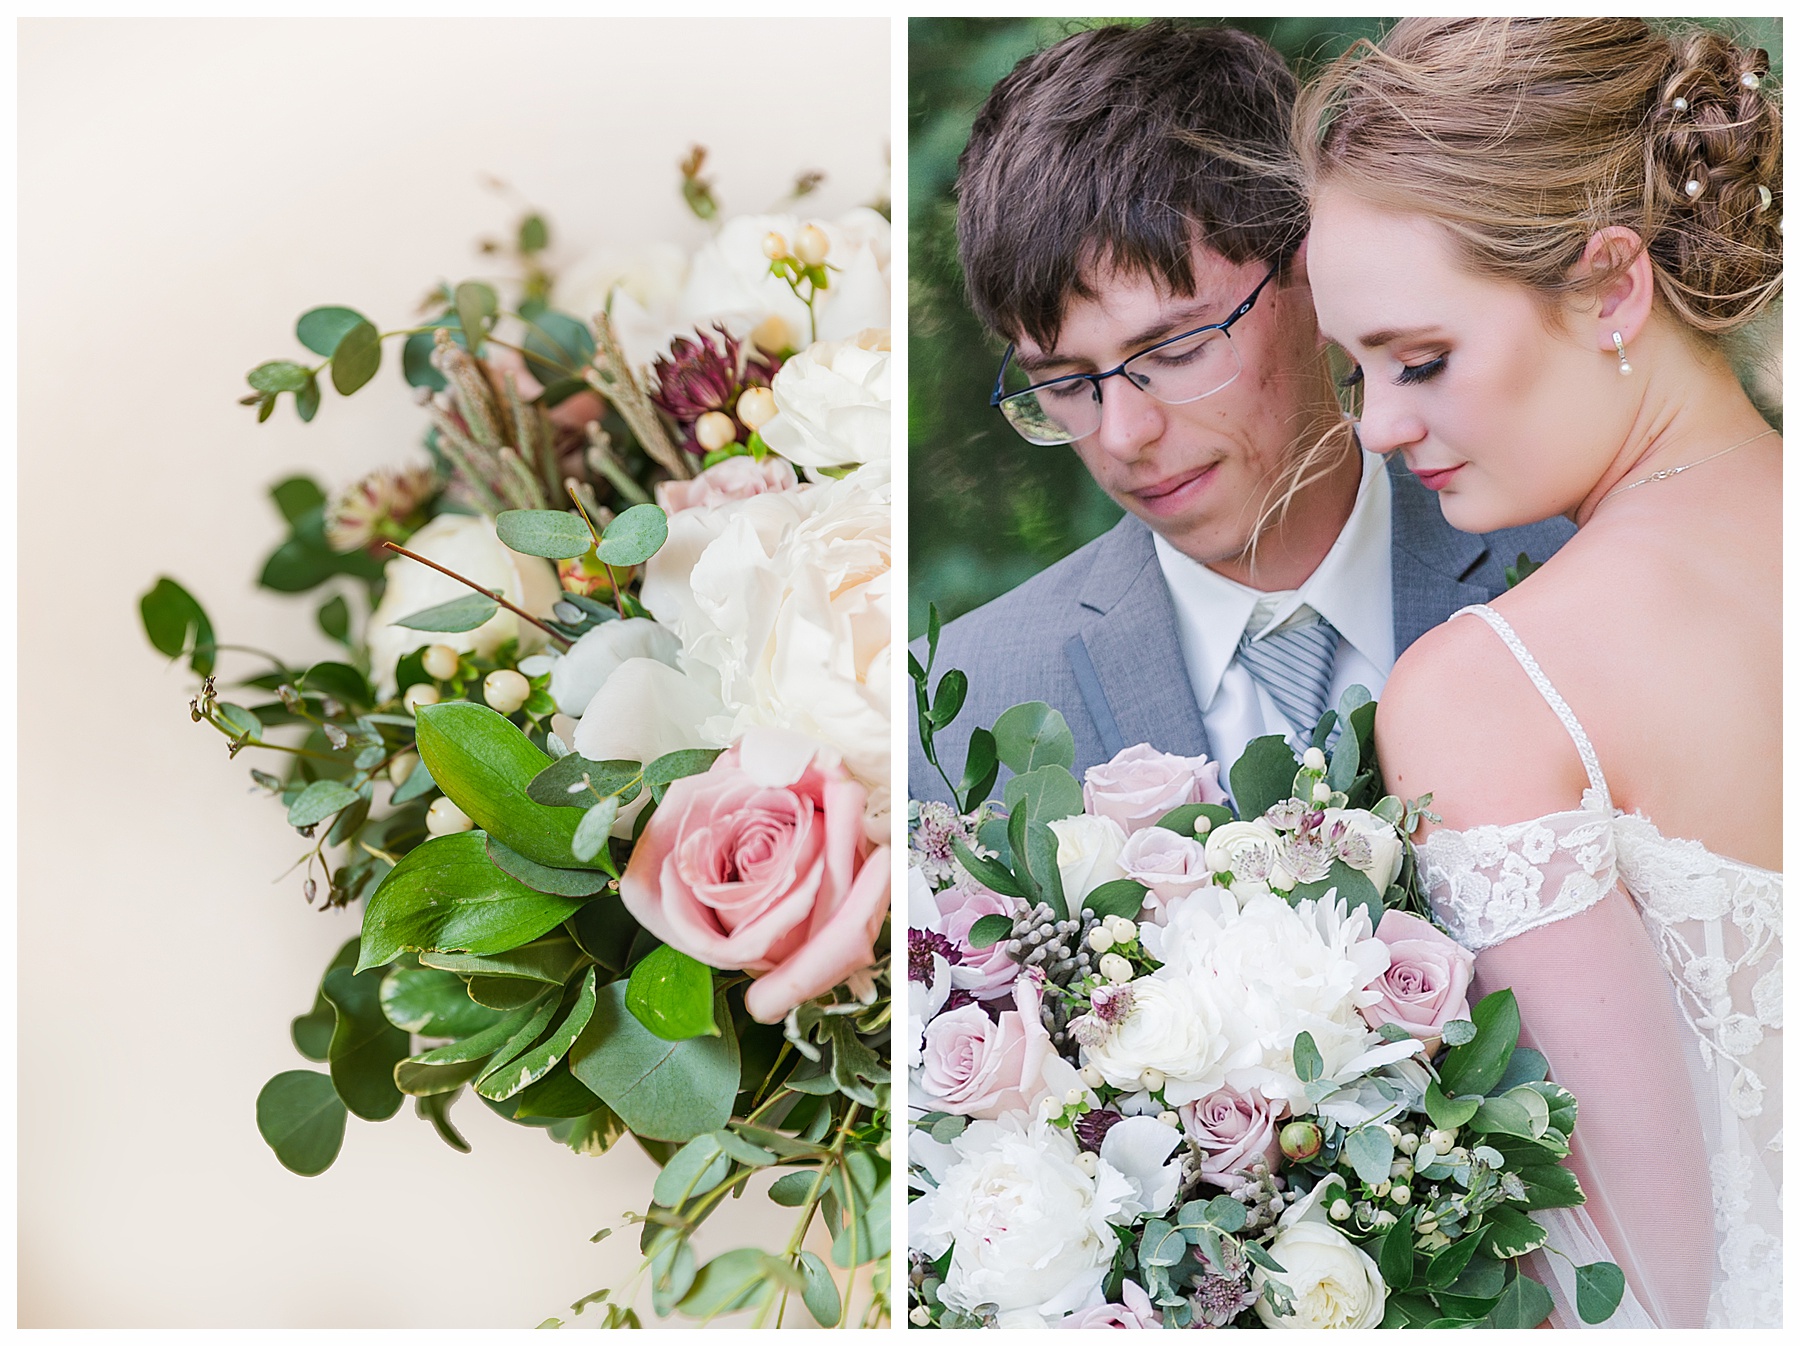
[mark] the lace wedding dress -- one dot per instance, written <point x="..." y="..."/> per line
<point x="1716" y="924"/>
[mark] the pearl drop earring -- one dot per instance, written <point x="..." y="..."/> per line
<point x="1619" y="345"/>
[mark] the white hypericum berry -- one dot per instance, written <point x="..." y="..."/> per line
<point x="1170" y="1119"/>
<point x="715" y="430"/>
<point x="506" y="690"/>
<point x="420" y="694"/>
<point x="1088" y="1162"/>
<point x="811" y="245"/>
<point x="1123" y="931"/>
<point x="402" y="767"/>
<point x="1100" y="939"/>
<point x="772" y="335"/>
<point x="774" y="247"/>
<point x="756" y="407"/>
<point x="444" y="819"/>
<point x="1115" y="969"/>
<point x="920" y="1316"/>
<point x="1073" y="1096"/>
<point x="1443" y="1141"/>
<point x="1340" y="1209"/>
<point x="1152" y="1079"/>
<point x="1314" y="760"/>
<point x="1202" y="825"/>
<point x="1400" y="1195"/>
<point x="440" y="662"/>
<point x="1321" y="793"/>
<point x="1091" y="1077"/>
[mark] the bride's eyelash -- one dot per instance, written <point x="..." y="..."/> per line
<point x="1350" y="380"/>
<point x="1420" y="373"/>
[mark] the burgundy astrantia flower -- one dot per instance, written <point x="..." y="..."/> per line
<point x="920" y="945"/>
<point x="1091" y="1127"/>
<point x="698" y="376"/>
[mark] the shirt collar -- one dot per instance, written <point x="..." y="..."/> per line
<point x="1352" y="588"/>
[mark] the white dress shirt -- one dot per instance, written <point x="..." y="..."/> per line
<point x="1352" y="589"/>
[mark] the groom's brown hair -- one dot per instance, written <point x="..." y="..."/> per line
<point x="1118" y="149"/>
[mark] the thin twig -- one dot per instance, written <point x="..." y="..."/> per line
<point x="461" y="579"/>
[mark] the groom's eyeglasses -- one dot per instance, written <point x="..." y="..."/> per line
<point x="1181" y="369"/>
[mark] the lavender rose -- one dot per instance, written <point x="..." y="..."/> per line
<point x="984" y="973"/>
<point x="1234" y="1131"/>
<point x="1141" y="784"/>
<point x="1170" y="865"/>
<point x="1426" y="984"/>
<point x="1136" y="1311"/>
<point x="983" y="1067"/>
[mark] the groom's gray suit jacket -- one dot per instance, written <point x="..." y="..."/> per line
<point x="1094" y="635"/>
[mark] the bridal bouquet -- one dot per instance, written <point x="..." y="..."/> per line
<point x="604" y="759"/>
<point x="1178" y="1066"/>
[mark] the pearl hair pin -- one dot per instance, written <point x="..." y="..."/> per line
<point x="1694" y="188"/>
<point x="1750" y="80"/>
<point x="1680" y="105"/>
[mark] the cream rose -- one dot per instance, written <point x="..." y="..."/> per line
<point x="833" y="403"/>
<point x="579" y="673"/>
<point x="1385" y="847"/>
<point x="1141" y="784"/>
<point x="1087" y="854"/>
<point x="1333" y="1282"/>
<point x="1246" y="849"/>
<point x="469" y="545"/>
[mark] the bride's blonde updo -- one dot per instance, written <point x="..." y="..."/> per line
<point x="1523" y="137"/>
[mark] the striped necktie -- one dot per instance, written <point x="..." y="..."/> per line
<point x="1293" y="664"/>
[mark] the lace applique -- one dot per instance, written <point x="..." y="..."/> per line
<point x="1491" y="883"/>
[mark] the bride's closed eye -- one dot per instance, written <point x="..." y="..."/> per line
<point x="1422" y="372"/>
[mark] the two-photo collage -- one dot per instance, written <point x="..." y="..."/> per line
<point x="898" y="673"/>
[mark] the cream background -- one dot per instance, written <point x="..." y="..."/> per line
<point x="186" y="190"/>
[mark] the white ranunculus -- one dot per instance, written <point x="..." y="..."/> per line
<point x="782" y="604"/>
<point x="1246" y="849"/>
<point x="1333" y="1282"/>
<point x="1275" y="971"/>
<point x="1384" y="843"/>
<point x="469" y="545"/>
<point x="576" y="675"/>
<point x="833" y="403"/>
<point x="1032" y="1231"/>
<point x="1173" y="1026"/>
<point x="1087" y="854"/>
<point x="643" y="710"/>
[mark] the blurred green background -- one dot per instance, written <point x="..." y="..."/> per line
<point x="987" y="510"/>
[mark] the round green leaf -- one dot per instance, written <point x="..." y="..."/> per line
<point x="356" y="358"/>
<point x="662" y="1090"/>
<point x="697" y="1168"/>
<point x="320" y="329"/>
<point x="475" y="303"/>
<point x="671" y="994"/>
<point x="554" y="534"/>
<point x="557" y="347"/>
<point x="821" y="1293"/>
<point x="1599" y="1287"/>
<point x="446" y="895"/>
<point x="319" y="801"/>
<point x="175" y="622"/>
<point x="365" y="1047"/>
<point x="634" y="536"/>
<point x="278" y="376"/>
<point x="1033" y="735"/>
<point x="301" y="1117"/>
<point x="730" y="1281"/>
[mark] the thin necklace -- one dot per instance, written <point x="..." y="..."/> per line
<point x="1677" y="471"/>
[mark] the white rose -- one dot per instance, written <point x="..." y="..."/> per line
<point x="1174" y="1027"/>
<point x="578" y="674"/>
<point x="469" y="545"/>
<point x="1032" y="1230"/>
<point x="1247" y="849"/>
<point x="783" y="605"/>
<point x="833" y="403"/>
<point x="1384" y="843"/>
<point x="1333" y="1282"/>
<point x="1087" y="854"/>
<point x="1276" y="970"/>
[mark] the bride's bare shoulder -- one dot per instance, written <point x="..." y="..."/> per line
<point x="1459" y="718"/>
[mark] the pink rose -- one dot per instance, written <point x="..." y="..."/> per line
<point x="1170" y="865"/>
<point x="761" y="864"/>
<point x="736" y="478"/>
<point x="1141" y="784"/>
<point x="984" y="973"/>
<point x="1136" y="1311"/>
<point x="978" y="1066"/>
<point x="1234" y="1132"/>
<point x="1427" y="981"/>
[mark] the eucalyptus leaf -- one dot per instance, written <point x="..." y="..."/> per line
<point x="660" y="1089"/>
<point x="446" y="896"/>
<point x="730" y="1281"/>
<point x="595" y="827"/>
<point x="1523" y="1303"/>
<point x="301" y="1117"/>
<point x="1371" y="1153"/>
<point x="664" y="771"/>
<point x="364" y="1046"/>
<point x="697" y="1168"/>
<point x="1263" y="775"/>
<point x="321" y="329"/>
<point x="475" y="304"/>
<point x="634" y="536"/>
<point x="820" y="1294"/>
<point x="319" y="801"/>
<point x="1308" y="1064"/>
<point x="1047" y="794"/>
<point x="554" y="534"/>
<point x="459" y="614"/>
<point x="356" y="358"/>
<point x="574" y="781"/>
<point x="278" y="376"/>
<point x="1033" y="735"/>
<point x="1599" y="1286"/>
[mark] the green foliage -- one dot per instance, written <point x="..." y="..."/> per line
<point x="364" y="1047"/>
<point x="176" y="625"/>
<point x="671" y="994"/>
<point x="321" y="329"/>
<point x="1476" y="1067"/>
<point x="476" y="307"/>
<point x="464" y="613"/>
<point x="634" y="536"/>
<point x="1033" y="735"/>
<point x="301" y="1117"/>
<point x="660" y="1089"/>
<point x="1263" y="775"/>
<point x="552" y="533"/>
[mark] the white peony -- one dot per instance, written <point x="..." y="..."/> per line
<point x="1385" y="847"/>
<point x="1333" y="1282"/>
<point x="469" y="545"/>
<point x="833" y="403"/>
<point x="727" y="280"/>
<point x="596" y="656"/>
<point x="1174" y="1027"/>
<point x="783" y="605"/>
<point x="1276" y="970"/>
<point x="1032" y="1230"/>
<point x="1087" y="854"/>
<point x="643" y="710"/>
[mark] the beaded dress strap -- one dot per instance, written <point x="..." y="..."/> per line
<point x="1590" y="760"/>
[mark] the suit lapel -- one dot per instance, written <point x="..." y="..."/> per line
<point x="1432" y="560"/>
<point x="1127" y="661"/>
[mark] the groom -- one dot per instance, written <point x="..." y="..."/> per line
<point x="1123" y="222"/>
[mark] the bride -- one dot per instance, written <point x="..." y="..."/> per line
<point x="1532" y="237"/>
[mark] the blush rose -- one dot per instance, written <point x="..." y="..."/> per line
<point x="1426" y="984"/>
<point x="982" y="1067"/>
<point x="761" y="863"/>
<point x="1141" y="784"/>
<point x="1234" y="1131"/>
